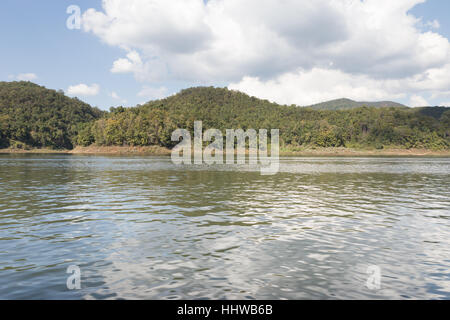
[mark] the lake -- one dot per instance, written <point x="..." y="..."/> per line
<point x="143" y="228"/>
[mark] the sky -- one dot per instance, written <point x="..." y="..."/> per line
<point x="127" y="52"/>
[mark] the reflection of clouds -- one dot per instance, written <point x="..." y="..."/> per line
<point x="146" y="229"/>
<point x="296" y="236"/>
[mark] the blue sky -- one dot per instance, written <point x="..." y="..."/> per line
<point x="36" y="40"/>
<point x="435" y="9"/>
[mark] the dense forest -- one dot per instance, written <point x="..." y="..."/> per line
<point x="33" y="116"/>
<point x="222" y="109"/>
<point x="39" y="117"/>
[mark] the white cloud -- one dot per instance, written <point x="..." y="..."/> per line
<point x="153" y="93"/>
<point x="132" y="63"/>
<point x="24" y="77"/>
<point x="115" y="96"/>
<point x="318" y="85"/>
<point x="235" y="41"/>
<point x="149" y="70"/>
<point x="418" y="101"/>
<point x="433" y="24"/>
<point x="83" y="90"/>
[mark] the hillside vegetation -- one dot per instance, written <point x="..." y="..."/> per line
<point x="38" y="117"/>
<point x="222" y="109"/>
<point x="33" y="116"/>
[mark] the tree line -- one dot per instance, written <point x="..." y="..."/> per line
<point x="45" y="118"/>
<point x="220" y="108"/>
<point x="33" y="116"/>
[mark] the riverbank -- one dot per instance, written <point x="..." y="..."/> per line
<point x="24" y="151"/>
<point x="309" y="152"/>
<point x="349" y="152"/>
<point x="127" y="150"/>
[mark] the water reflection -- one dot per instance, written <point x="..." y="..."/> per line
<point x="142" y="228"/>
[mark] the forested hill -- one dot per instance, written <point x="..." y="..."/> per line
<point x="222" y="109"/>
<point x="31" y="115"/>
<point x="45" y="118"/>
<point x="343" y="104"/>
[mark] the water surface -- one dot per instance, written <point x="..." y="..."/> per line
<point x="142" y="228"/>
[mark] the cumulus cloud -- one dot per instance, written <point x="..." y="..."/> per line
<point x="320" y="84"/>
<point x="317" y="85"/>
<point x="132" y="63"/>
<point x="153" y="93"/>
<point x="115" y="96"/>
<point x="83" y="90"/>
<point x="418" y="101"/>
<point x="149" y="70"/>
<point x="248" y="42"/>
<point x="24" y="77"/>
<point x="433" y="24"/>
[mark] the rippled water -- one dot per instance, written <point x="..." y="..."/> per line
<point x="140" y="227"/>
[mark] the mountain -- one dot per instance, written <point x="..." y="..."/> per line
<point x="32" y="115"/>
<point x="220" y="108"/>
<point x="345" y="104"/>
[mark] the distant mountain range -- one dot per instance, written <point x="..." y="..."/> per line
<point x="345" y="104"/>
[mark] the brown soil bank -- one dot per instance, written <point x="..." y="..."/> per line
<point x="148" y="150"/>
<point x="18" y="151"/>
<point x="320" y="152"/>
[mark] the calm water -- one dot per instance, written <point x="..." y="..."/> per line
<point x="141" y="228"/>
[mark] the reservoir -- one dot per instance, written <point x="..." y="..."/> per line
<point x="143" y="228"/>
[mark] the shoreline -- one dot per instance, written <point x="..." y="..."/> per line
<point x="307" y="152"/>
